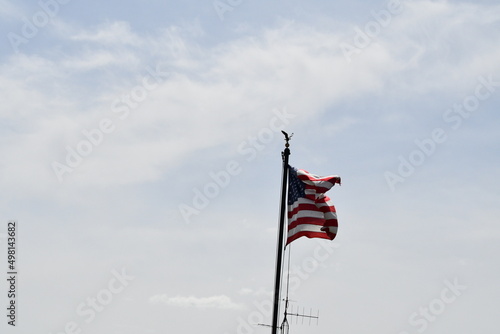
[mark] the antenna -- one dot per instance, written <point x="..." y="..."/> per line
<point x="284" y="328"/>
<point x="303" y="315"/>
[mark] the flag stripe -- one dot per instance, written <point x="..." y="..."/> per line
<point x="310" y="228"/>
<point x="319" y="221"/>
<point x="304" y="202"/>
<point x="308" y="234"/>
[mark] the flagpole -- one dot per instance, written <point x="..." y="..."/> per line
<point x="279" y="252"/>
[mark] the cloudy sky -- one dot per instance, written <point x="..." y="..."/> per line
<point x="141" y="159"/>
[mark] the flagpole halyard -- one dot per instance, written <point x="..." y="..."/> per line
<point x="279" y="251"/>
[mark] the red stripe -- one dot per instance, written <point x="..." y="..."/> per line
<point x="316" y="188"/>
<point x="308" y="221"/>
<point x="313" y="206"/>
<point x="332" y="223"/>
<point x="301" y="173"/>
<point x="327" y="208"/>
<point x="333" y="179"/>
<point x="308" y="235"/>
<point x="313" y="221"/>
<point x="301" y="207"/>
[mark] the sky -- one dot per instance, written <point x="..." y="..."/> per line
<point x="141" y="162"/>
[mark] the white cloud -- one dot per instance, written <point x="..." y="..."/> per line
<point x="93" y="60"/>
<point x="219" y="95"/>
<point x="217" y="302"/>
<point x="112" y="33"/>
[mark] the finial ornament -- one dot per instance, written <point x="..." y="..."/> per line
<point x="287" y="138"/>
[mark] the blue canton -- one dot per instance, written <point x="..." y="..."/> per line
<point x="296" y="188"/>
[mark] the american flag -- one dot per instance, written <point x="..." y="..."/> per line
<point x="310" y="212"/>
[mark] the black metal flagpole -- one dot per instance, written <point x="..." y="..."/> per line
<point x="279" y="252"/>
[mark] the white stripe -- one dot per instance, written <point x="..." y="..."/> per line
<point x="327" y="203"/>
<point x="303" y="200"/>
<point x="316" y="195"/>
<point x="312" y="214"/>
<point x="300" y="201"/>
<point x="316" y="180"/>
<point x="306" y="214"/>
<point x="310" y="228"/>
<point x="320" y="184"/>
<point x="330" y="215"/>
<point x="310" y="192"/>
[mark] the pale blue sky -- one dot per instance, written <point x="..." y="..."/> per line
<point x="116" y="116"/>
